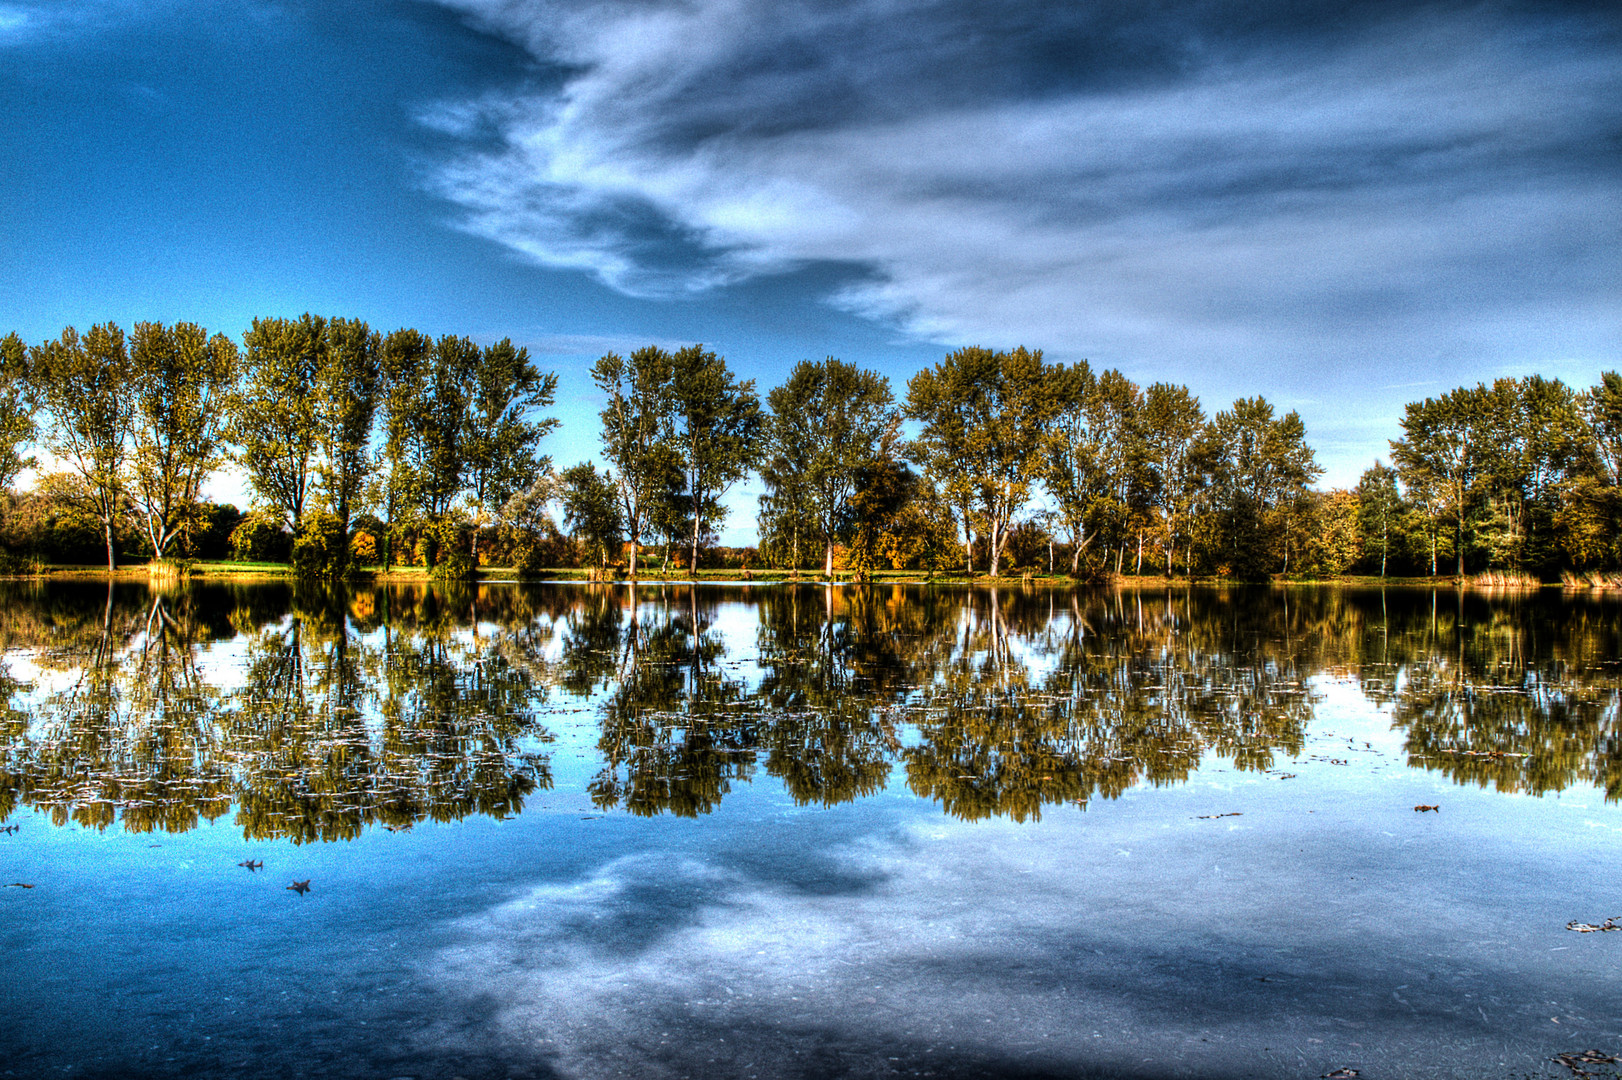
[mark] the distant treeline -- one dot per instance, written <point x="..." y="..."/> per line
<point x="376" y="449"/>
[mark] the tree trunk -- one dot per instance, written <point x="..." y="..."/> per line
<point x="633" y="556"/>
<point x="828" y="561"/>
<point x="107" y="528"/>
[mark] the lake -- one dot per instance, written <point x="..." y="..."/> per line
<point x="589" y="831"/>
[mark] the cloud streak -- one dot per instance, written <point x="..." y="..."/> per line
<point x="1198" y="194"/>
<point x="1110" y="947"/>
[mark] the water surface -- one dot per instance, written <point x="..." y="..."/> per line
<point x="718" y="831"/>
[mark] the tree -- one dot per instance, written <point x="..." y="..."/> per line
<point x="1379" y="511"/>
<point x="591" y="510"/>
<point x="1262" y="468"/>
<point x="273" y="415"/>
<point x="17" y="427"/>
<point x="349" y="382"/>
<point x="636" y="433"/>
<point x="715" y="424"/>
<point x="439" y="424"/>
<point x="182" y="377"/>
<point x="503" y="433"/>
<point x="1170" y="423"/>
<point x="403" y="362"/>
<point x="1437" y="457"/>
<point x="830" y="423"/>
<point x="1092" y="459"/>
<point x="985" y="415"/>
<point x="1531" y="437"/>
<point x="1330" y="540"/>
<point x="83" y="387"/>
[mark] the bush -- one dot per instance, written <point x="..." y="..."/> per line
<point x="363" y="548"/>
<point x="449" y="549"/>
<point x="260" y="538"/>
<point x="321" y="550"/>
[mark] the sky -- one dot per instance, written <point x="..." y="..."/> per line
<point x="1340" y="206"/>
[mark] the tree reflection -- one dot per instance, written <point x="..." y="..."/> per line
<point x="323" y="733"/>
<point x="315" y="714"/>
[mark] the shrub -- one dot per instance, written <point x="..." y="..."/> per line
<point x="260" y="538"/>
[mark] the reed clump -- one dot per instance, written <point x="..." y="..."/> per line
<point x="1591" y="579"/>
<point x="1505" y="579"/>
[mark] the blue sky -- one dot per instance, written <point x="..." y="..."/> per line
<point x="1340" y="206"/>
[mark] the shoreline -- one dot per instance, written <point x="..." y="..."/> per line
<point x="225" y="571"/>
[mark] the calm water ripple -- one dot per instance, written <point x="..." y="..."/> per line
<point x="806" y="831"/>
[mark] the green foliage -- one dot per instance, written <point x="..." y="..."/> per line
<point x="1380" y="514"/>
<point x="715" y="424"/>
<point x="321" y="547"/>
<point x="830" y="424"/>
<point x="17" y="426"/>
<point x="449" y="555"/>
<point x="182" y="378"/>
<point x="261" y="537"/>
<point x="1260" y="469"/>
<point x="636" y="434"/>
<point x="82" y="386"/>
<point x="503" y="433"/>
<point x="985" y="416"/>
<point x="1170" y="428"/>
<point x="1093" y="466"/>
<point x="591" y="511"/>
<point x="273" y="419"/>
<point x="395" y="489"/>
<point x="348" y="386"/>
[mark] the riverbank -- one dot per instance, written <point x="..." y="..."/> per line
<point x="243" y="571"/>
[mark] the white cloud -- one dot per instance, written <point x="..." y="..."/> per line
<point x="1425" y="200"/>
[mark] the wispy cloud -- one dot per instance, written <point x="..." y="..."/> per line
<point x="1213" y="190"/>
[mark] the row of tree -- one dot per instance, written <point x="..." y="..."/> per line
<point x="433" y="445"/>
<point x="325" y="417"/>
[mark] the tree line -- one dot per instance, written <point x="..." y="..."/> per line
<point x="365" y="447"/>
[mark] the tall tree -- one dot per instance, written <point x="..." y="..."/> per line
<point x="439" y="427"/>
<point x="1169" y="429"/>
<point x="403" y="360"/>
<point x="1437" y="455"/>
<point x="17" y="428"/>
<point x="830" y="424"/>
<point x="985" y="416"/>
<point x="715" y="429"/>
<point x="1379" y="511"/>
<point x="1531" y="437"/>
<point x="83" y="387"/>
<point x="503" y="431"/>
<point x="1262" y="471"/>
<point x="636" y="433"/>
<point x="182" y="378"/>
<point x="348" y="385"/>
<point x="591" y="511"/>
<point x="273" y="414"/>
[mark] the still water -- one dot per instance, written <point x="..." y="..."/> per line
<point x="793" y="831"/>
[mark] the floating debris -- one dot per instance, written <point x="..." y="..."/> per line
<point x="300" y="887"/>
<point x="9" y="829"/>
<point x="1590" y="928"/>
<point x="1341" y="1074"/>
<point x="252" y="865"/>
<point x="18" y="885"/>
<point x="1575" y="1062"/>
<point x="1433" y="809"/>
<point x="1211" y="817"/>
